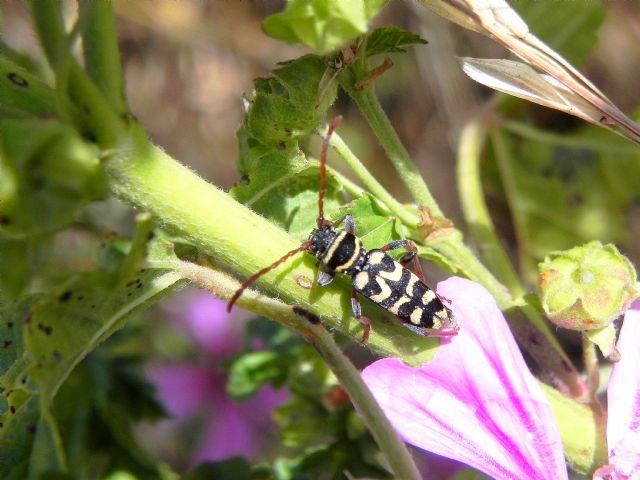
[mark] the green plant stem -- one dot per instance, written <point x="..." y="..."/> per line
<point x="73" y="84"/>
<point x="146" y="177"/>
<point x="453" y="248"/>
<point x="149" y="179"/>
<point x="474" y="208"/>
<point x="370" y="107"/>
<point x="100" y="51"/>
<point x="49" y="25"/>
<point x="391" y="446"/>
<point x="370" y="181"/>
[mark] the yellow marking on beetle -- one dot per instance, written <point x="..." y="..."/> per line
<point x="416" y="316"/>
<point x="395" y="308"/>
<point x="395" y="275"/>
<point x="349" y="263"/>
<point x="376" y="258"/>
<point x="428" y="297"/>
<point x="332" y="248"/>
<point x="385" y="292"/>
<point x="412" y="281"/>
<point x="360" y="280"/>
<point x="439" y="318"/>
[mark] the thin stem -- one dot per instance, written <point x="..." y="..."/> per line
<point x="591" y="366"/>
<point x="370" y="181"/>
<point x="73" y="83"/>
<point x="49" y="25"/>
<point x="475" y="209"/>
<point x="370" y="107"/>
<point x="101" y="53"/>
<point x="391" y="446"/>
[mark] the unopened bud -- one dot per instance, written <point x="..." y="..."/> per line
<point x="587" y="287"/>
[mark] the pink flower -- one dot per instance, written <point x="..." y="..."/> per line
<point x="623" y="398"/>
<point x="193" y="393"/>
<point x="476" y="401"/>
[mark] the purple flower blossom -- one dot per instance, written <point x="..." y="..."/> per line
<point x="623" y="398"/>
<point x="196" y="390"/>
<point x="476" y="401"/>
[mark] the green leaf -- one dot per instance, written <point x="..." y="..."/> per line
<point x="252" y="370"/>
<point x="48" y="175"/>
<point x="98" y="408"/>
<point x="323" y="25"/>
<point x="278" y="180"/>
<point x="374" y="228"/>
<point x="22" y="93"/>
<point x="589" y="186"/>
<point x="65" y="326"/>
<point x="570" y="28"/>
<point x="391" y="40"/>
<point x="287" y="106"/>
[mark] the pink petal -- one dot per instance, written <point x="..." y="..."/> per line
<point x="183" y="388"/>
<point x="476" y="402"/>
<point x="623" y="394"/>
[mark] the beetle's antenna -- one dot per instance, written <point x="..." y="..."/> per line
<point x="323" y="169"/>
<point x="257" y="275"/>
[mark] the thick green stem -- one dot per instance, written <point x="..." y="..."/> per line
<point x="149" y="179"/>
<point x="370" y="107"/>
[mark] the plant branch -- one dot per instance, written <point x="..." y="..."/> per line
<point x="146" y="177"/>
<point x="101" y="53"/>
<point x="370" y="107"/>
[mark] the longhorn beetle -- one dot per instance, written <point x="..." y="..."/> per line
<point x="375" y="274"/>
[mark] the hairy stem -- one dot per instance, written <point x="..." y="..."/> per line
<point x="370" y="107"/>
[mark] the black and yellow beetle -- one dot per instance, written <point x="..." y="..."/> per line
<point x="374" y="273"/>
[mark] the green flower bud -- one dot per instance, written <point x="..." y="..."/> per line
<point x="587" y="287"/>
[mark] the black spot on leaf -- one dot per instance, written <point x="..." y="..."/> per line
<point x="65" y="296"/>
<point x="17" y="80"/>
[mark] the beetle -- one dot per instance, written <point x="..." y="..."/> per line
<point x="374" y="273"/>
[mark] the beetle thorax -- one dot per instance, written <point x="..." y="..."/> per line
<point x="340" y="252"/>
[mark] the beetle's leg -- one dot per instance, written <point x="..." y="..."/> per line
<point x="324" y="278"/>
<point x="357" y="312"/>
<point x="349" y="224"/>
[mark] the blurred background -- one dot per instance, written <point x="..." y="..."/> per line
<point x="187" y="64"/>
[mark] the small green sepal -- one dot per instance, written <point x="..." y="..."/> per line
<point x="605" y="339"/>
<point x="587" y="287"/>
